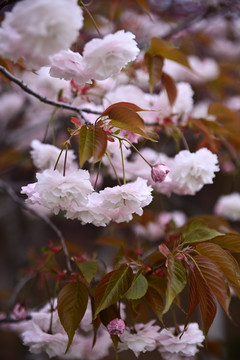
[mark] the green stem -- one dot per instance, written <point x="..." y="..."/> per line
<point x="58" y="159"/>
<point x="114" y="170"/>
<point x="134" y="147"/>
<point x="91" y="17"/>
<point x="98" y="172"/>
<point x="65" y="160"/>
<point x="123" y="168"/>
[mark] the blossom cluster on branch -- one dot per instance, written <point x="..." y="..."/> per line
<point x="136" y="139"/>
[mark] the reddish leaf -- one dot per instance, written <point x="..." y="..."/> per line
<point x="124" y="104"/>
<point x="214" y="279"/>
<point x="99" y="143"/>
<point x="112" y="287"/>
<point x="170" y="87"/>
<point x="176" y="280"/>
<point x="208" y="305"/>
<point x="229" y="241"/>
<point x="128" y="119"/>
<point x="162" y="48"/>
<point x="154" y="299"/>
<point x="154" y="65"/>
<point x="193" y="297"/>
<point x="126" y="116"/>
<point x="72" y="304"/>
<point x="222" y="258"/>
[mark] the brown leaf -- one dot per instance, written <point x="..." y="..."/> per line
<point x="162" y="48"/>
<point x="222" y="258"/>
<point x="154" y="65"/>
<point x="214" y="279"/>
<point x="229" y="241"/>
<point x="208" y="305"/>
<point x="124" y="104"/>
<point x="170" y="87"/>
<point x="193" y="297"/>
<point x="99" y="143"/>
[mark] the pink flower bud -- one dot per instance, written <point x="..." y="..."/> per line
<point x="116" y="327"/>
<point x="159" y="172"/>
<point x="19" y="311"/>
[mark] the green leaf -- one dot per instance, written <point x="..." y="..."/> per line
<point x="222" y="258"/>
<point x="154" y="65"/>
<point x="162" y="48"/>
<point x="86" y="144"/>
<point x="176" y="280"/>
<point x="72" y="304"/>
<point x="214" y="279"/>
<point x="208" y="305"/>
<point x="155" y="300"/>
<point x="112" y="287"/>
<point x="229" y="241"/>
<point x="88" y="269"/>
<point x="197" y="231"/>
<point x="138" y="288"/>
<point x="170" y="86"/>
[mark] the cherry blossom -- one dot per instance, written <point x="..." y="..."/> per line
<point x="145" y="338"/>
<point x="185" y="344"/>
<point x="51" y="26"/>
<point x="228" y="206"/>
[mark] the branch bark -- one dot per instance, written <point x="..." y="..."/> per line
<point x="9" y="190"/>
<point x="44" y="99"/>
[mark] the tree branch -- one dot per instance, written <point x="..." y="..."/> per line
<point x="44" y="99"/>
<point x="221" y="8"/>
<point x="9" y="190"/>
<point x="6" y="2"/>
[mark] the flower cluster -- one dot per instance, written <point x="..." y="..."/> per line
<point x="35" y="30"/>
<point x="184" y="344"/>
<point x="101" y="58"/>
<point x="73" y="193"/>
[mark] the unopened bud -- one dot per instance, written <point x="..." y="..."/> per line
<point x="116" y="327"/>
<point x="19" y="312"/>
<point x="159" y="172"/>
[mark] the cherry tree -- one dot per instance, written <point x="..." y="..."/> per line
<point x="120" y="135"/>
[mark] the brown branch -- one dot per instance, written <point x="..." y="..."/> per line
<point x="44" y="99"/>
<point x="6" y="2"/>
<point x="9" y="190"/>
<point x="220" y="9"/>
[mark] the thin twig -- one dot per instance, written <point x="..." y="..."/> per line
<point x="9" y="190"/>
<point x="14" y="321"/>
<point x="44" y="99"/>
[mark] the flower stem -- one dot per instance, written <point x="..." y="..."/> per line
<point x="134" y="147"/>
<point x="98" y="172"/>
<point x="114" y="170"/>
<point x="123" y="168"/>
<point x="58" y="159"/>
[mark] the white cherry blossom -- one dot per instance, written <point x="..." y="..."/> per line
<point x="35" y="30"/>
